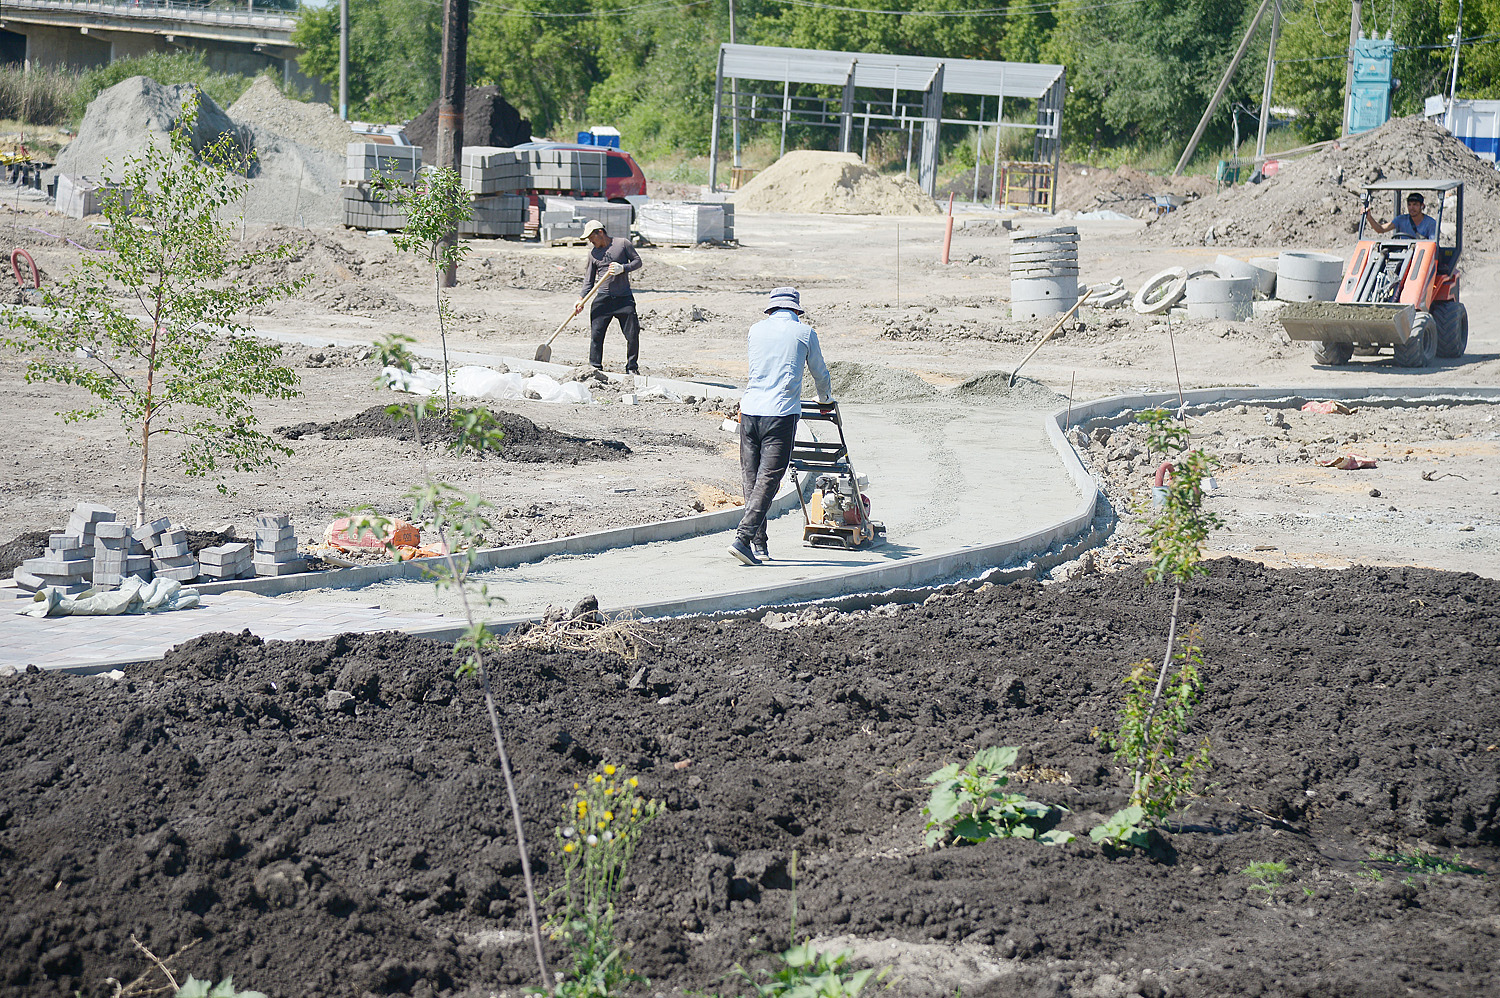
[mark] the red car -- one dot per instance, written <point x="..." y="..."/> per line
<point x="622" y="177"/>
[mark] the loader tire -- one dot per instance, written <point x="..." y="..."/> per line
<point x="1332" y="354"/>
<point x="1452" y="322"/>
<point x="1421" y="349"/>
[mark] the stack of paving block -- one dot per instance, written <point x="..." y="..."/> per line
<point x="493" y="170"/>
<point x="497" y="215"/>
<point x="276" y="546"/>
<point x="227" y="561"/>
<point x="170" y="558"/>
<point x="564" y="218"/>
<point x="69" y="561"/>
<point x="561" y="169"/>
<point x="367" y="160"/>
<point x="113" y="550"/>
<point x="362" y="210"/>
<point x="687" y="222"/>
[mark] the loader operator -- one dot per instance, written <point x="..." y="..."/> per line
<point x="779" y="347"/>
<point x="1412" y="225"/>
<point x="614" y="258"/>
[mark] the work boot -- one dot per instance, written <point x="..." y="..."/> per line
<point x="743" y="553"/>
<point x="759" y="549"/>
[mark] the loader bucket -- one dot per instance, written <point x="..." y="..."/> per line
<point x="1341" y="322"/>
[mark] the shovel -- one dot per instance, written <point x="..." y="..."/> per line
<point x="544" y="352"/>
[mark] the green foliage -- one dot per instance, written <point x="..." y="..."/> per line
<point x="1420" y="862"/>
<point x="434" y="208"/>
<point x="186" y="66"/>
<point x="1126" y="827"/>
<point x="394" y="51"/>
<point x="1268" y="875"/>
<point x="805" y="972"/>
<point x="195" y="988"/>
<point x="191" y="368"/>
<point x="1153" y="732"/>
<point x="1178" y="530"/>
<point x="603" y="824"/>
<point x="969" y="803"/>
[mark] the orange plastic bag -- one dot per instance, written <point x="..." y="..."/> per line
<point x="346" y="534"/>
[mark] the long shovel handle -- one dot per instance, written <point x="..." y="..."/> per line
<point x="1050" y="333"/>
<point x="586" y="299"/>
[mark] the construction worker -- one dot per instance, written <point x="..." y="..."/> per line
<point x="1412" y="225"/>
<point x="616" y="257"/>
<point x="779" y="347"/>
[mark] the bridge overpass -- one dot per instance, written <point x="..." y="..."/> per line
<point x="80" y="34"/>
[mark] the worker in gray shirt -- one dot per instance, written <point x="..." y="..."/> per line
<point x="616" y="257"/>
<point x="779" y="347"/>
<point x="1413" y="225"/>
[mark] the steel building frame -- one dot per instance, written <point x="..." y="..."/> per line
<point x="930" y="78"/>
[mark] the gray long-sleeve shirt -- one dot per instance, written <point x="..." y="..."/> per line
<point x="618" y="251"/>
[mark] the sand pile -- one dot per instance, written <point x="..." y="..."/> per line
<point x="489" y="120"/>
<point x="266" y="108"/>
<point x="133" y="113"/>
<point x="832" y="183"/>
<point x="299" y="158"/>
<point x="855" y="382"/>
<point x="1315" y="201"/>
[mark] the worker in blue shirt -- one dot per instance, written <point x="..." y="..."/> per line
<point x="1412" y="225"/>
<point x="780" y="346"/>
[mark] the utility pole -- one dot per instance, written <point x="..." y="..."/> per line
<point x="344" y="60"/>
<point x="452" y="81"/>
<point x="1213" y="103"/>
<point x="1265" y="94"/>
<point x="734" y="98"/>
<point x="1458" y="38"/>
<point x="1354" y="26"/>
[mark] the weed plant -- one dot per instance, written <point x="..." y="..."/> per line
<point x="603" y="825"/>
<point x="1154" y="721"/>
<point x="1417" y="862"/>
<point x="1267" y="875"/>
<point x="969" y="803"/>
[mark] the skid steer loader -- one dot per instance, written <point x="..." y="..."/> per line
<point x="1396" y="293"/>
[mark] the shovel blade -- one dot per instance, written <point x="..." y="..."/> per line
<point x="543" y="353"/>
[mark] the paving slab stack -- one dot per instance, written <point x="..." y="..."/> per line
<point x="68" y="563"/>
<point x="363" y="210"/>
<point x="1307" y="276"/>
<point x="494" y="176"/>
<point x="689" y="222"/>
<point x="363" y="161"/>
<point x="276" y="546"/>
<point x="579" y="170"/>
<point x="227" y="561"/>
<point x="170" y="557"/>
<point x="565" y="217"/>
<point x="112" y="544"/>
<point x="1043" y="272"/>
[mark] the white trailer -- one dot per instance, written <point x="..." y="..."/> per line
<point x="1475" y="123"/>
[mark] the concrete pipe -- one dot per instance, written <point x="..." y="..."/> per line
<point x="1161" y="291"/>
<point x="1045" y="273"/>
<point x="1288" y="289"/>
<point x="1308" y="267"/>
<point x="1059" y="232"/>
<point x="1228" y="266"/>
<point x="1265" y="275"/>
<point x="1220" y="298"/>
<point x="1062" y="288"/>
<point x="1045" y="308"/>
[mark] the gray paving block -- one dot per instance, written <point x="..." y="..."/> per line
<point x="185" y="574"/>
<point x="64" y="542"/>
<point x="150" y="529"/>
<point x="112" y="530"/>
<point x="223" y="553"/>
<point x="286" y="545"/>
<point x="55" y="567"/>
<point x="70" y="554"/>
<point x="139" y="564"/>
<point x="280" y="568"/>
<point x="177" y="535"/>
<point x="175" y="561"/>
<point x="267" y="537"/>
<point x="272" y="520"/>
<point x="93" y="513"/>
<point x="174" y="550"/>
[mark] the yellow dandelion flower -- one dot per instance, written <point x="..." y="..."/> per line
<point x="583" y="807"/>
<point x="598" y="778"/>
<point x="601" y="825"/>
<point x="633" y="782"/>
<point x="609" y="771"/>
<point x="569" y="846"/>
<point x="609" y="816"/>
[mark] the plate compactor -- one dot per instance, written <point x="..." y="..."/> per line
<point x="1396" y="293"/>
<point x="836" y="513"/>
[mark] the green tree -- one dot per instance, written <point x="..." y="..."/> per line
<point x="394" y="51"/>
<point x="434" y="208"/>
<point x="190" y="368"/>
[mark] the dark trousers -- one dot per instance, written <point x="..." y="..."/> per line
<point x="765" y="452"/>
<point x="615" y="307"/>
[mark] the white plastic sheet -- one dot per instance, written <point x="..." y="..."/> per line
<point x="135" y="595"/>
<point x="475" y="382"/>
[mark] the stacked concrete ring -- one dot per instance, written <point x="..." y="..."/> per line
<point x="1306" y="276"/>
<point x="1043" y="272"/>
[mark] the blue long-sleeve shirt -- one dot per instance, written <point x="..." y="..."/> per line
<point x="779" y="347"/>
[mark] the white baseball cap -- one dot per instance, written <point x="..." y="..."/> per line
<point x="592" y="226"/>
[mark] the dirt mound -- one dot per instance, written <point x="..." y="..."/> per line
<point x="318" y="255"/>
<point x="320" y="845"/>
<point x="994" y="387"/>
<point x="1126" y="190"/>
<point x="831" y="183"/>
<point x="130" y="115"/>
<point x="309" y="123"/>
<point x="855" y="382"/>
<point x="489" y="120"/>
<point x="525" y="441"/>
<point x="28" y="544"/>
<point x="1315" y="201"/>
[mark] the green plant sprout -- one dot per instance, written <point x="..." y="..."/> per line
<point x="1152" y="728"/>
<point x="195" y="988"/>
<point x="434" y="208"/>
<point x="149" y="327"/>
<point x="1418" y="862"/>
<point x="1267" y="874"/>
<point x="602" y="827"/>
<point x="969" y="803"/>
<point x="459" y="519"/>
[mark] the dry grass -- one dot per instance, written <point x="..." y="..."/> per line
<point x="620" y="636"/>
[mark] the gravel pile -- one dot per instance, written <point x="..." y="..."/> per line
<point x="1315" y="201"/>
<point x="267" y="109"/>
<point x="855" y="382"/>
<point x="123" y="120"/>
<point x="299" y="158"/>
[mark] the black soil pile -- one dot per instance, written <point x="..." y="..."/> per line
<point x="524" y="441"/>
<point x="28" y="544"/>
<point x="489" y="120"/>
<point x="318" y="845"/>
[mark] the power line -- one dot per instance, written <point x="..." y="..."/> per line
<point x="1010" y="11"/>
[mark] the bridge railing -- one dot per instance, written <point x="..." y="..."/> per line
<point x="159" y="10"/>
